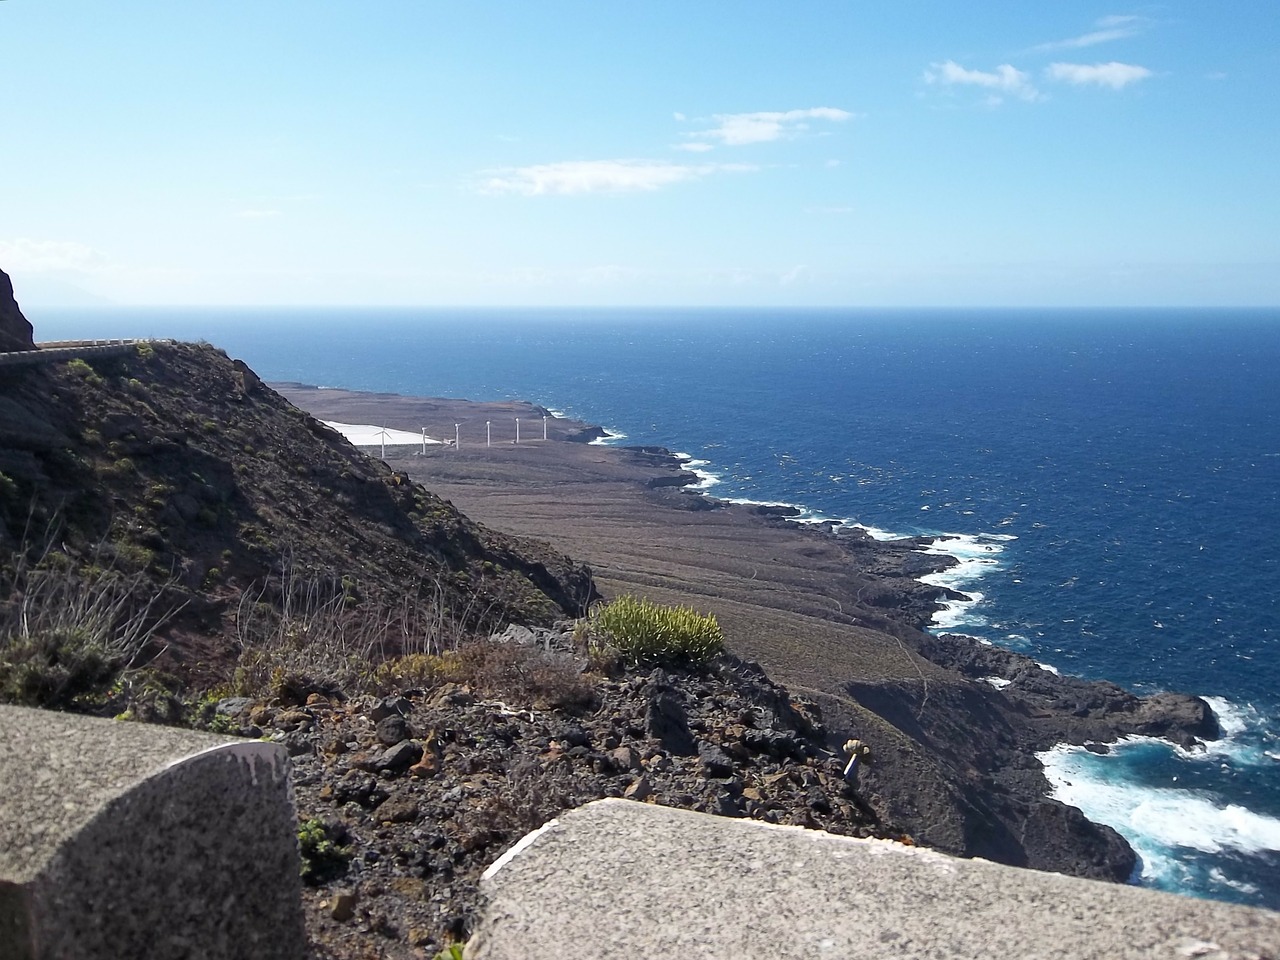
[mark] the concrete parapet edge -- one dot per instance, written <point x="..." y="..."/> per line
<point x="144" y="842"/>
<point x="617" y="878"/>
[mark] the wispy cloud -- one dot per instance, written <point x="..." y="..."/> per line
<point x="765" y="126"/>
<point x="1005" y="80"/>
<point x="598" y="176"/>
<point x="1114" y="75"/>
<point x="256" y="214"/>
<point x="1105" y="30"/>
<point x="795" y="274"/>
<point x="25" y="255"/>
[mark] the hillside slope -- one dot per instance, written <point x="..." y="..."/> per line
<point x="173" y="467"/>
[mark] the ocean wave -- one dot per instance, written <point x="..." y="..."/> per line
<point x="610" y="436"/>
<point x="978" y="556"/>
<point x="706" y="478"/>
<point x="1167" y="825"/>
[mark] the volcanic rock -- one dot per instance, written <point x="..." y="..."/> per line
<point x="15" y="330"/>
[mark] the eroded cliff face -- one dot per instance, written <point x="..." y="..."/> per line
<point x="15" y="330"/>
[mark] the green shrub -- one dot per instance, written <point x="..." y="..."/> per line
<point x="52" y="669"/>
<point x="67" y="637"/>
<point x="82" y="370"/>
<point x="644" y="631"/>
<point x="322" y="857"/>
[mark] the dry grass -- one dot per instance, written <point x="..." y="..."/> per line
<point x="68" y="636"/>
<point x="301" y="634"/>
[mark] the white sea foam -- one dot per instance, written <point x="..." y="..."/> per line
<point x="876" y="533"/>
<point x="610" y="436"/>
<point x="998" y="682"/>
<point x="979" y="555"/>
<point x="1222" y="880"/>
<point x="1233" y="719"/>
<point x="1050" y="667"/>
<point x="706" y="479"/>
<point x="1157" y="821"/>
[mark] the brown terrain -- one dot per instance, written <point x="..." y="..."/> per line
<point x="837" y="618"/>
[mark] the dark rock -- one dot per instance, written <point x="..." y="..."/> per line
<point x="666" y="722"/>
<point x="15" y="330"/>
<point x="399" y="808"/>
<point x="714" y="762"/>
<point x="575" y="736"/>
<point x="250" y="382"/>
<point x="397" y="706"/>
<point x="626" y="758"/>
<point x="638" y="790"/>
<point x="400" y="757"/>
<point x="233" y="706"/>
<point x="391" y="730"/>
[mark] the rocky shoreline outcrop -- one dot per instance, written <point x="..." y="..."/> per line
<point x="979" y="789"/>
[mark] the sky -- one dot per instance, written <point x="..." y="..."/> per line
<point x="409" y="152"/>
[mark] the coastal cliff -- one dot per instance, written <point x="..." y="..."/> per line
<point x="219" y="506"/>
<point x="834" y="615"/>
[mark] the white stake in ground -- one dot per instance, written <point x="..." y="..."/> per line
<point x="456" y="438"/>
<point x="544" y="428"/>
<point x="488" y="434"/>
<point x="517" y="429"/>
<point x="424" y="441"/>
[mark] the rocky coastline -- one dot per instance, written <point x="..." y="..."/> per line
<point x="830" y="613"/>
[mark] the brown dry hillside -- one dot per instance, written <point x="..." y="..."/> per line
<point x="175" y="469"/>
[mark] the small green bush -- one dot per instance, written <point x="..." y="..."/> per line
<point x="322" y="857"/>
<point x="82" y="370"/>
<point x="644" y="631"/>
<point x="53" y="669"/>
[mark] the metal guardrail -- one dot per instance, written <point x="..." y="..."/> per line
<point x="55" y="351"/>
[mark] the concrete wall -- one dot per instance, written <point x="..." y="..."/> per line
<point x="56" y="351"/>
<point x="123" y="840"/>
<point x="630" y="880"/>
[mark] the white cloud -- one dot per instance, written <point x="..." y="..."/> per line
<point x="679" y="116"/>
<point x="739" y="129"/>
<point x="599" y="176"/>
<point x="257" y="214"/>
<point x="799" y="272"/>
<point x="46" y="256"/>
<point x="1113" y="75"/>
<point x="1004" y="80"/>
<point x="1106" y="30"/>
<point x="695" y="147"/>
<point x="832" y="164"/>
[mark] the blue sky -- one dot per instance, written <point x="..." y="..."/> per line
<point x="556" y="153"/>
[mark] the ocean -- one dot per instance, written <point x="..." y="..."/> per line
<point x="1110" y="478"/>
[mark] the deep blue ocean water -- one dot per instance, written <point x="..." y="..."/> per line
<point x="1112" y="479"/>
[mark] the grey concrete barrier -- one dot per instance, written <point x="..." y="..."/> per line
<point x="623" y="879"/>
<point x="124" y="840"/>
<point x="56" y="351"/>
